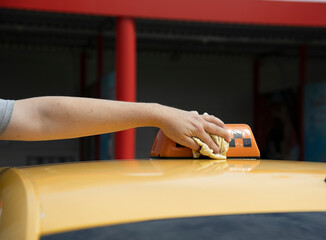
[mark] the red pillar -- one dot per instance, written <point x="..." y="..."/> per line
<point x="302" y="69"/>
<point x="125" y="82"/>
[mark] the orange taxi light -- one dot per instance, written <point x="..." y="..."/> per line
<point x="242" y="145"/>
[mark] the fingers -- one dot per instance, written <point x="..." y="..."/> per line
<point x="213" y="119"/>
<point x="183" y="125"/>
<point x="208" y="140"/>
<point x="195" y="112"/>
<point x="212" y="128"/>
<point x="190" y="143"/>
<point x="215" y="126"/>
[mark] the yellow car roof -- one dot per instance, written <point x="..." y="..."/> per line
<point x="48" y="199"/>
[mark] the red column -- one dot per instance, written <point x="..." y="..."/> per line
<point x="301" y="99"/>
<point x="125" y="82"/>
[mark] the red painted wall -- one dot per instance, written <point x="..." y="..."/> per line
<point x="295" y="13"/>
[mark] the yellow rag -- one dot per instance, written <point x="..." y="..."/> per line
<point x="206" y="151"/>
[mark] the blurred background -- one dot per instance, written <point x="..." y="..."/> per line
<point x="262" y="69"/>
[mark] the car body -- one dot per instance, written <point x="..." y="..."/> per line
<point x="49" y="201"/>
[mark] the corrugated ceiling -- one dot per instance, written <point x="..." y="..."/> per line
<point x="46" y="31"/>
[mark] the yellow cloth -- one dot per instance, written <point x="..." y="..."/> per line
<point x="206" y="151"/>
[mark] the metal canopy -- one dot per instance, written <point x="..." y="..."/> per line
<point x="46" y="31"/>
<point x="263" y="12"/>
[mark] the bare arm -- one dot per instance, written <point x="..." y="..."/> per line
<point x="49" y="118"/>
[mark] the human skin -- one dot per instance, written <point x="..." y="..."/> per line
<point x="52" y="118"/>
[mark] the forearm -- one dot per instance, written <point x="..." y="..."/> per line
<point x="48" y="118"/>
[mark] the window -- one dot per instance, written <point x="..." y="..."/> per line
<point x="271" y="226"/>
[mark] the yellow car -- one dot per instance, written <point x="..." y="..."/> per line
<point x="164" y="199"/>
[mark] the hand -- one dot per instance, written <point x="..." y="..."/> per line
<point x="181" y="126"/>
